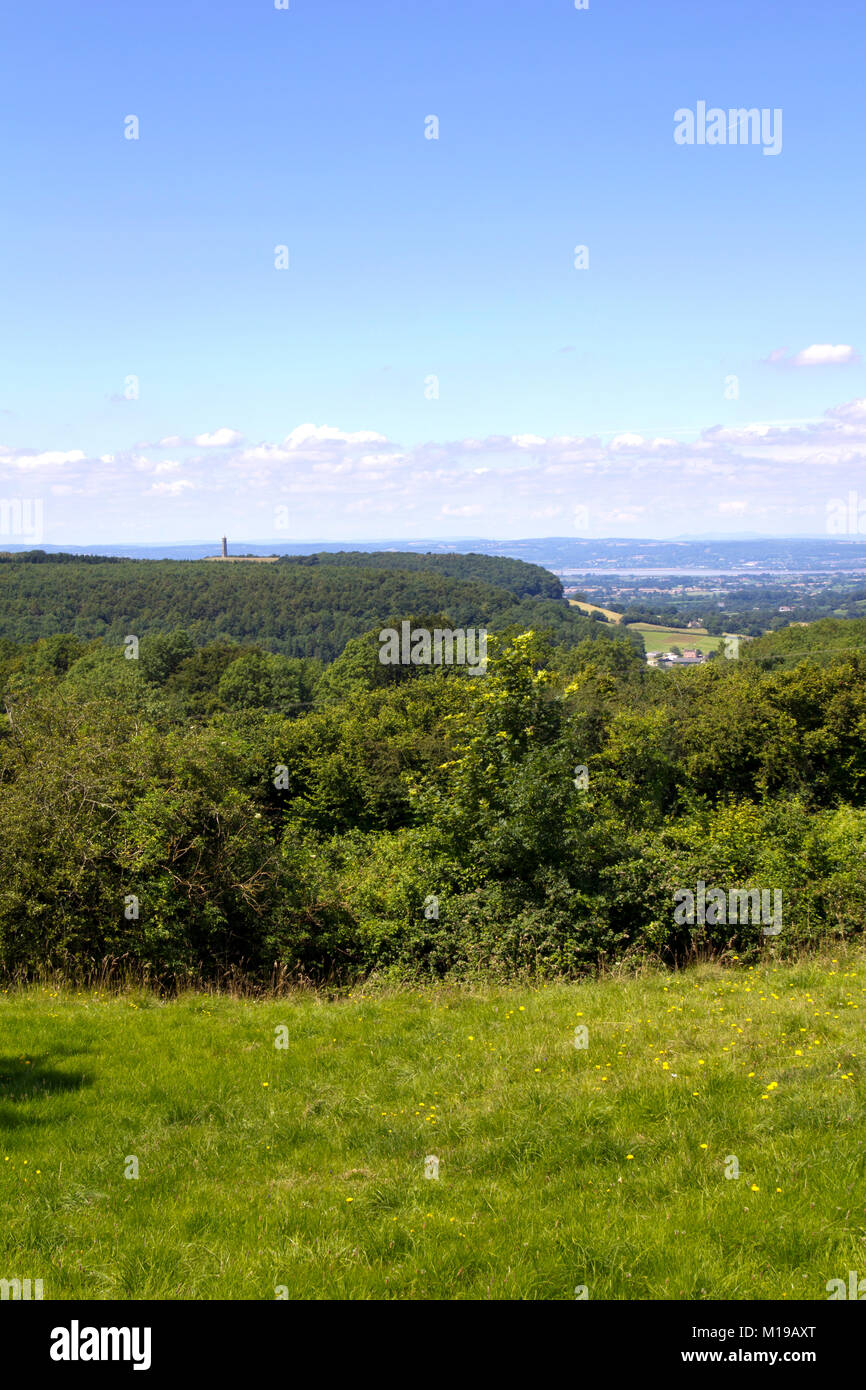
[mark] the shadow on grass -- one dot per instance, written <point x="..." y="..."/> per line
<point x="33" y="1078"/>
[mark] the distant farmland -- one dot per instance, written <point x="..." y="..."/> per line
<point x="657" y="638"/>
<point x="661" y="639"/>
<point x="595" y="608"/>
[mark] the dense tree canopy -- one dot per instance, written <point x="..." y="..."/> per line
<point x="307" y="606"/>
<point x="205" y="806"/>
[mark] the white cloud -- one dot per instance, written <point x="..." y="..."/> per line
<point x="740" y="434"/>
<point x="173" y="489"/>
<point x="327" y="448"/>
<point x="321" y="434"/>
<point x="220" y="439"/>
<point x="816" y="355"/>
<point x="851" y="411"/>
<point x="382" y="460"/>
<point x="51" y="458"/>
<point x="519" y="484"/>
<point x="627" y="441"/>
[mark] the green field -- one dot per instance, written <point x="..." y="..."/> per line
<point x="302" y="1169"/>
<point x="661" y="639"/>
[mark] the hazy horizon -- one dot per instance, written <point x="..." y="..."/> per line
<point x="459" y="543"/>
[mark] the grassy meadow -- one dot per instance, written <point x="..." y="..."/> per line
<point x="298" y="1171"/>
<point x="661" y="639"/>
<point x="657" y="638"/>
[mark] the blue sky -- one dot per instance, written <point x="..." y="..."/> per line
<point x="299" y="403"/>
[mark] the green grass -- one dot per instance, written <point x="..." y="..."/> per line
<point x="661" y="639"/>
<point x="559" y="1166"/>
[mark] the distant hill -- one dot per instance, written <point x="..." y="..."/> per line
<point x="750" y="554"/>
<point x="775" y="555"/>
<point x="519" y="577"/>
<point x="822" y="641"/>
<point x="303" y="606"/>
